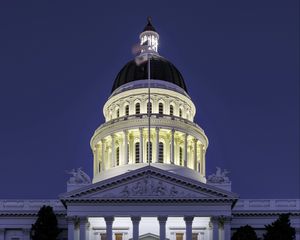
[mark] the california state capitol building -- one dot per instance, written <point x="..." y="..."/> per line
<point x="149" y="170"/>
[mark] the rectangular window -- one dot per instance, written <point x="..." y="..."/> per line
<point x="195" y="236"/>
<point x="118" y="156"/>
<point x="118" y="236"/>
<point x="161" y="152"/>
<point x="160" y="108"/>
<point x="137" y="152"/>
<point x="137" y="108"/>
<point x="150" y="151"/>
<point x="127" y="110"/>
<point x="179" y="236"/>
<point x="103" y="236"/>
<point x="171" y="110"/>
<point x="180" y="156"/>
<point x="149" y="108"/>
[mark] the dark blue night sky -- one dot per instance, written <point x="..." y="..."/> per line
<point x="240" y="61"/>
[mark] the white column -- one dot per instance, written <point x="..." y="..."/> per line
<point x="71" y="228"/>
<point x="214" y="221"/>
<point x="185" y="150"/>
<point x="135" y="227"/>
<point x="188" y="227"/>
<point x="162" y="227"/>
<point x="125" y="147"/>
<point x="83" y="228"/>
<point x="227" y="228"/>
<point x="172" y="146"/>
<point x="195" y="154"/>
<point x="203" y="162"/>
<point x="109" y="222"/>
<point x="141" y="145"/>
<point x="103" y="155"/>
<point x="157" y="144"/>
<point x="113" y="152"/>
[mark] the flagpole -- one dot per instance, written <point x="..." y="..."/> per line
<point x="149" y="114"/>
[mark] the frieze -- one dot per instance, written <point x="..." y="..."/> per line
<point x="150" y="187"/>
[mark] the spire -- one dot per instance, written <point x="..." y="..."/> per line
<point x="149" y="26"/>
<point x="149" y="36"/>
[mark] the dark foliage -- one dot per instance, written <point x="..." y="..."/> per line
<point x="280" y="229"/>
<point x="45" y="227"/>
<point x="244" y="233"/>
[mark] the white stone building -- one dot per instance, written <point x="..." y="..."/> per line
<point x="149" y="180"/>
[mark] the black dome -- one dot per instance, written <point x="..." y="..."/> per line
<point x="161" y="69"/>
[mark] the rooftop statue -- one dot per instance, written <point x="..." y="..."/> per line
<point x="78" y="177"/>
<point x="219" y="177"/>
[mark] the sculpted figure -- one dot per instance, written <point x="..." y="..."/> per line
<point x="78" y="177"/>
<point x="219" y="177"/>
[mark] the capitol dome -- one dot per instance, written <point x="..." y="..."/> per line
<point x="149" y="119"/>
<point x="160" y="69"/>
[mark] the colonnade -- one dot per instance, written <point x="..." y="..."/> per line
<point x="178" y="148"/>
<point x="216" y="223"/>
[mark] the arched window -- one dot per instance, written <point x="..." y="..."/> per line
<point x="160" y="108"/>
<point x="127" y="110"/>
<point x="137" y="152"/>
<point x="180" y="112"/>
<point x="137" y="108"/>
<point x="118" y="113"/>
<point x="180" y="156"/>
<point x="150" y="151"/>
<point x="161" y="152"/>
<point x="171" y="110"/>
<point x="117" y="156"/>
<point x="149" y="107"/>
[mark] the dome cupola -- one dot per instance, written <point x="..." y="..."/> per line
<point x="160" y="68"/>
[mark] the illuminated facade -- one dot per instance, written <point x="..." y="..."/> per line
<point x="148" y="182"/>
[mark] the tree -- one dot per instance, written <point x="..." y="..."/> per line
<point x="244" y="233"/>
<point x="45" y="227"/>
<point x="280" y="229"/>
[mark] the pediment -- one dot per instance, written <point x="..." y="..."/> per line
<point x="148" y="183"/>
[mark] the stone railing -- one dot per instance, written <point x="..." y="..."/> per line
<point x="29" y="204"/>
<point x="291" y="205"/>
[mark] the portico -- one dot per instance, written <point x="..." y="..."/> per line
<point x="149" y="201"/>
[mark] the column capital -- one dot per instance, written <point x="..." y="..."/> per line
<point x="162" y="218"/>
<point x="173" y="130"/>
<point x="214" y="219"/>
<point x="83" y="219"/>
<point x="72" y="219"/>
<point x="188" y="219"/>
<point x="109" y="219"/>
<point x="225" y="219"/>
<point x="157" y="128"/>
<point x="135" y="219"/>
